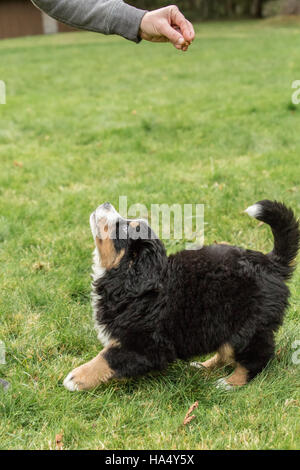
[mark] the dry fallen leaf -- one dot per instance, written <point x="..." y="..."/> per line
<point x="19" y="164"/>
<point x="188" y="417"/>
<point x="59" y="441"/>
<point x="188" y="420"/>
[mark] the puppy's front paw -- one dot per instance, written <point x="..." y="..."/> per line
<point x="79" y="379"/>
<point x="90" y="375"/>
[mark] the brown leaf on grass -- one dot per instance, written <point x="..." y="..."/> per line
<point x="188" y="417"/>
<point x="133" y="112"/>
<point x="260" y="224"/>
<point x="279" y="354"/>
<point x="59" y="441"/>
<point x="19" y="164"/>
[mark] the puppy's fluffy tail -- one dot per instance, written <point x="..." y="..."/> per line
<point x="285" y="228"/>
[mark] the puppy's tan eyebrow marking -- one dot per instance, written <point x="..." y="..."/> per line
<point x="134" y="224"/>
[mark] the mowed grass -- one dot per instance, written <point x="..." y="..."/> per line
<point x="90" y="118"/>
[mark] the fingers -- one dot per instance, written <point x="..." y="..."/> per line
<point x="173" y="35"/>
<point x="191" y="30"/>
<point x="167" y="24"/>
<point x="186" y="28"/>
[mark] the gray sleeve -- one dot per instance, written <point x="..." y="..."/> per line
<point x="101" y="16"/>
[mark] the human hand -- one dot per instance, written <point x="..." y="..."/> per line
<point x="167" y="25"/>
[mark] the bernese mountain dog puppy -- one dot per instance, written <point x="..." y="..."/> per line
<point x="151" y="309"/>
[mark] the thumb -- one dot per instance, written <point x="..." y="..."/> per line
<point x="171" y="34"/>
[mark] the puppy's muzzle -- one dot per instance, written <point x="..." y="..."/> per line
<point x="103" y="220"/>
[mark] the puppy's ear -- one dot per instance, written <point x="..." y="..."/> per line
<point x="148" y="262"/>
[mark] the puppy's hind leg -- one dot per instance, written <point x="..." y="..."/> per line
<point x="250" y="361"/>
<point x="223" y="357"/>
<point x="237" y="379"/>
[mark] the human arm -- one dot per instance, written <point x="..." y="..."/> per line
<point x="116" y="17"/>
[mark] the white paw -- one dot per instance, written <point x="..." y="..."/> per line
<point x="198" y="365"/>
<point x="222" y="384"/>
<point x="70" y="384"/>
<point x="87" y="376"/>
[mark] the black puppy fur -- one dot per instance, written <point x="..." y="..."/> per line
<point x="157" y="309"/>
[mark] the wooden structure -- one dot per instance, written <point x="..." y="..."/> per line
<point x="22" y="18"/>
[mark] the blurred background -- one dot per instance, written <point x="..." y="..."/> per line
<point x="214" y="9"/>
<point x="21" y="18"/>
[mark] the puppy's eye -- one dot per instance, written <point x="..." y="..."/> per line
<point x="138" y="228"/>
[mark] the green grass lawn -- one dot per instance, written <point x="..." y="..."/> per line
<point x="89" y="118"/>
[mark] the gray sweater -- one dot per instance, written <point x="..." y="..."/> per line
<point x="101" y="16"/>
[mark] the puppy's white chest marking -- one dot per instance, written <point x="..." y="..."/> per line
<point x="97" y="273"/>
